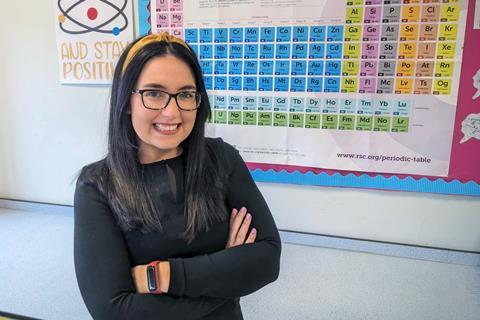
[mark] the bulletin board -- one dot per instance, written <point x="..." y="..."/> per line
<point x="374" y="94"/>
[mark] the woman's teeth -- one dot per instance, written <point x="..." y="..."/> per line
<point x="163" y="127"/>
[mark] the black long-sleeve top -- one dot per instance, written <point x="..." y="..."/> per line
<point x="206" y="280"/>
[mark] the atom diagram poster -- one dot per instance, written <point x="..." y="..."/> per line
<point x="91" y="36"/>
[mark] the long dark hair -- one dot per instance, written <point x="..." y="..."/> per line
<point x="121" y="179"/>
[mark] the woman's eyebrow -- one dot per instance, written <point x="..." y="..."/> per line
<point x="161" y="87"/>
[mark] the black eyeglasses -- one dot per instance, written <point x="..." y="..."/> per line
<point x="155" y="99"/>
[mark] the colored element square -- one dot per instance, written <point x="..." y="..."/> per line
<point x="267" y="34"/>
<point x="265" y="118"/>
<point x="235" y="83"/>
<point x="234" y="103"/>
<point x="206" y="35"/>
<point x="349" y="85"/>
<point x="312" y="121"/>
<point x="220" y="67"/>
<point x="314" y="84"/>
<point x="299" y="50"/>
<point x="236" y="35"/>
<point x="333" y="68"/>
<point x="300" y="33"/>
<point x="236" y="51"/>
<point x="249" y="103"/>
<point x="234" y="117"/>
<point x="332" y="84"/>
<point x="265" y="103"/>
<point x="346" y="122"/>
<point x="235" y="67"/>
<point x="191" y="35"/>
<point x="315" y="67"/>
<point x="313" y="105"/>
<point x="250" y="83"/>
<point x="329" y="121"/>
<point x="220" y="35"/>
<point x="284" y="34"/>
<point x="220" y="117"/>
<point x="280" y="119"/>
<point x="251" y="51"/>
<point x="299" y="67"/>
<point x="206" y="51"/>
<point x="282" y="67"/>
<point x="251" y="34"/>
<point x="335" y="33"/>
<point x="400" y="124"/>
<point x="282" y="51"/>
<point x="334" y="51"/>
<point x="267" y="51"/>
<point x="221" y="51"/>
<point x="364" y="123"/>
<point x="296" y="120"/>
<point x="316" y="51"/>
<point x="249" y="118"/>
<point x="206" y="66"/>
<point x="381" y="124"/>
<point x="250" y="67"/>
<point x="220" y="83"/>
<point x="265" y="84"/>
<point x="317" y="33"/>
<point x="442" y="86"/>
<point x="281" y="84"/>
<point x="297" y="84"/>
<point x="266" y="67"/>
<point x="404" y="85"/>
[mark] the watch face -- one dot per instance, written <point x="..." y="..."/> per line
<point x="152" y="282"/>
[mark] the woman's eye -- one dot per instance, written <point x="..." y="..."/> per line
<point x="153" y="94"/>
<point x="186" y="95"/>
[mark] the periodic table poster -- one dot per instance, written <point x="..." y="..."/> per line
<point x="347" y="85"/>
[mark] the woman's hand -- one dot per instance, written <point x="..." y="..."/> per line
<point x="139" y="275"/>
<point x="239" y="224"/>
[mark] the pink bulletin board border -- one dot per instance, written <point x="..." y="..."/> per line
<point x="465" y="157"/>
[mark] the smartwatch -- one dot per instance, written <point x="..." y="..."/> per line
<point x="153" y="277"/>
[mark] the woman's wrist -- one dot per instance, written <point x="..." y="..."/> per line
<point x="162" y="277"/>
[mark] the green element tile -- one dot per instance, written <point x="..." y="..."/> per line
<point x="220" y="116"/>
<point x="312" y="120"/>
<point x="249" y="118"/>
<point x="280" y="119"/>
<point x="295" y="120"/>
<point x="346" y="122"/>
<point x="382" y="123"/>
<point x="364" y="123"/>
<point x="329" y="121"/>
<point x="234" y="117"/>
<point x="265" y="118"/>
<point x="400" y="124"/>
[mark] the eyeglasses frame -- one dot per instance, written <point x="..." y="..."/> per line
<point x="170" y="95"/>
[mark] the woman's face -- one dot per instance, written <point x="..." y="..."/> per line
<point x="160" y="132"/>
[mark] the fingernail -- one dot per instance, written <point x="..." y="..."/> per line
<point x="243" y="210"/>
<point x="254" y="231"/>
<point x="234" y="211"/>
<point x="249" y="216"/>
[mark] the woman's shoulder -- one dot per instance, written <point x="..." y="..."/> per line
<point x="221" y="147"/>
<point x="93" y="173"/>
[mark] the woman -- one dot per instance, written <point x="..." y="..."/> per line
<point x="154" y="237"/>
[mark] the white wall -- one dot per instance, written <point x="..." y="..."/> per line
<point x="49" y="131"/>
